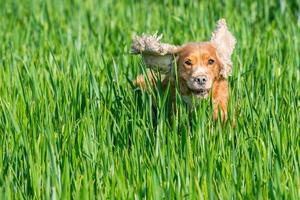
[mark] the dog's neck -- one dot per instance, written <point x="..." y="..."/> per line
<point x="187" y="100"/>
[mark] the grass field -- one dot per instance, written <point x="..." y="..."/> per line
<point x="72" y="126"/>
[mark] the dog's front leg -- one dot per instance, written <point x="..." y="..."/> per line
<point x="220" y="97"/>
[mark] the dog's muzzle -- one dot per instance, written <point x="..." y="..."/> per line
<point x="199" y="86"/>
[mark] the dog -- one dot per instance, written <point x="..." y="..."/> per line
<point x="202" y="67"/>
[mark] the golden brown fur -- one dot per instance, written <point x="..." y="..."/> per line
<point x="199" y="55"/>
<point x="202" y="67"/>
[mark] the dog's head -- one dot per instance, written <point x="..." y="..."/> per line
<point x="198" y="64"/>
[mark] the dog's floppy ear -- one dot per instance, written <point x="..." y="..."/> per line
<point x="156" y="55"/>
<point x="225" y="42"/>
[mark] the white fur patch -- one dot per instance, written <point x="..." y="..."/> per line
<point x="200" y="71"/>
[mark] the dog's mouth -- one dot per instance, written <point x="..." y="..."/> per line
<point x="199" y="92"/>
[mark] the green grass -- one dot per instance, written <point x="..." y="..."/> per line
<point x="71" y="125"/>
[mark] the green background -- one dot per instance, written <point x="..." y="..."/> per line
<point x="72" y="126"/>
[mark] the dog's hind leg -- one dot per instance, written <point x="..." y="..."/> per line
<point x="143" y="81"/>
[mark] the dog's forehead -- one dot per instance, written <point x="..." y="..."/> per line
<point x="198" y="49"/>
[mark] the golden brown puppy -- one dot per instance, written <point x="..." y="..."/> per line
<point x="202" y="68"/>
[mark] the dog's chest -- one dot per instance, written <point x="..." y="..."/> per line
<point x="191" y="100"/>
<point x="188" y="100"/>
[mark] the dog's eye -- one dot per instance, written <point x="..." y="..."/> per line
<point x="210" y="61"/>
<point x="188" y="62"/>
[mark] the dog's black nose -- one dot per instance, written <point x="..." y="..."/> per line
<point x="201" y="80"/>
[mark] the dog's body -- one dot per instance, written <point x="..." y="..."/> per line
<point x="202" y="68"/>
